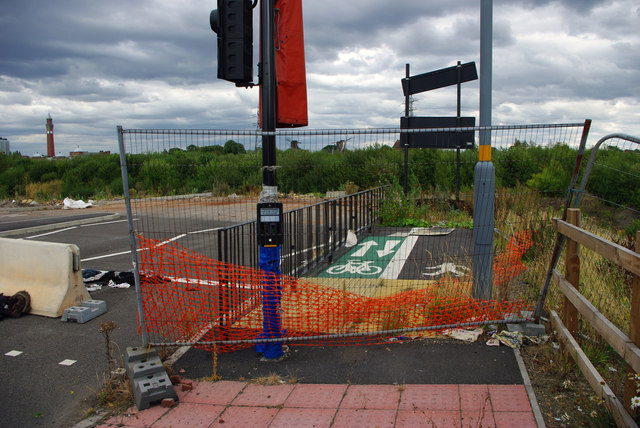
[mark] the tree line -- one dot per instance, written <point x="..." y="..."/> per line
<point x="232" y="169"/>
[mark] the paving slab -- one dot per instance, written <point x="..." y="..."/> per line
<point x="360" y="405"/>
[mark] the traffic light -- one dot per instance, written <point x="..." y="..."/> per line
<point x="233" y="23"/>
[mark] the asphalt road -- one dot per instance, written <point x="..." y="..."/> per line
<point x="38" y="390"/>
<point x="42" y="392"/>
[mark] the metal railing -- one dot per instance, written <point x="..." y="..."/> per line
<point x="312" y="234"/>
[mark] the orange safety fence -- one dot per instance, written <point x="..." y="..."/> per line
<point x="508" y="264"/>
<point x="191" y="299"/>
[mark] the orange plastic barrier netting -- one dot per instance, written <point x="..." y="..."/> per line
<point x="508" y="264"/>
<point x="189" y="298"/>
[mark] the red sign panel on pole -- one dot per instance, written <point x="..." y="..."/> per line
<point x="291" y="94"/>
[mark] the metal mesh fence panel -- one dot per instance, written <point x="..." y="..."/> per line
<point x="363" y="260"/>
<point x="609" y="201"/>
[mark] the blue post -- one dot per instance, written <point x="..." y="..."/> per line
<point x="271" y="298"/>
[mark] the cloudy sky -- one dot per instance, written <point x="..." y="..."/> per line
<point x="152" y="64"/>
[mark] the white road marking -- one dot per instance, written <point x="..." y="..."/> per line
<point x="106" y="222"/>
<point x="104" y="256"/>
<point x="399" y="259"/>
<point x="67" y="362"/>
<point x="13" y="353"/>
<point x="364" y="247"/>
<point x="205" y="230"/>
<point x="388" y="248"/>
<point x="51" y="233"/>
<point x="107" y="255"/>
<point x="175" y="238"/>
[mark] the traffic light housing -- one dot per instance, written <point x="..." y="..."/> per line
<point x="233" y="23"/>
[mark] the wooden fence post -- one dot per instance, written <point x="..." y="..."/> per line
<point x="630" y="387"/>
<point x="572" y="274"/>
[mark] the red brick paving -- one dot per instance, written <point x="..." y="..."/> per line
<point x="241" y="404"/>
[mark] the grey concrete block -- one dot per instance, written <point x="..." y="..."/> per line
<point x="88" y="310"/>
<point x="139" y="369"/>
<point x="152" y="388"/>
<point x="135" y="355"/>
<point x="527" y="329"/>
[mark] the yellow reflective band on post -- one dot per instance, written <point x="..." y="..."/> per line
<point x="484" y="153"/>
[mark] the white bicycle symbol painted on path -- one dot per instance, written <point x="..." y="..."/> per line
<point x="365" y="267"/>
<point x="444" y="268"/>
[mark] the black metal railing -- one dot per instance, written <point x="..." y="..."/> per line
<point x="312" y="234"/>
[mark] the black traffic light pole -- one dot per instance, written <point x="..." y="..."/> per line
<point x="268" y="101"/>
<point x="270" y="249"/>
<point x="232" y="22"/>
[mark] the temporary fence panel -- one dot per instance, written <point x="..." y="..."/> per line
<point x="608" y="196"/>
<point x="361" y="262"/>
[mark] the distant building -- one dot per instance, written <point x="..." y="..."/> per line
<point x="51" y="150"/>
<point x="4" y="146"/>
<point x="79" y="152"/>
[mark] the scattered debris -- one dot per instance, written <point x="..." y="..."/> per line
<point x="463" y="334"/>
<point x="167" y="402"/>
<point x="16" y="305"/>
<point x="512" y="339"/>
<point x="96" y="279"/>
<point x="352" y="239"/>
<point x="69" y="203"/>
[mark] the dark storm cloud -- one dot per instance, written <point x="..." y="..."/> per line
<point x="152" y="63"/>
<point x="103" y="39"/>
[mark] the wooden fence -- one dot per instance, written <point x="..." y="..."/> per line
<point x="574" y="303"/>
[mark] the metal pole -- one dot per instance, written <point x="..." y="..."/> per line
<point x="407" y="112"/>
<point x="268" y="81"/>
<point x="560" y="239"/>
<point x="132" y="239"/>
<point x="458" y="115"/>
<point x="269" y="255"/>
<point x="484" y="180"/>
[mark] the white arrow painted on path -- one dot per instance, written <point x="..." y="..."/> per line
<point x="388" y="248"/>
<point x="364" y="247"/>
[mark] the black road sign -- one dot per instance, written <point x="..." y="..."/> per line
<point x="439" y="78"/>
<point x="441" y="139"/>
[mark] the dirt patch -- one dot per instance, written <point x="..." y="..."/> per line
<point x="565" y="397"/>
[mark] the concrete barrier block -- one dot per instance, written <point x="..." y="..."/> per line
<point x="153" y="388"/>
<point x="134" y="355"/>
<point x="49" y="271"/>
<point x="85" y="312"/>
<point x="528" y="329"/>
<point x="140" y="370"/>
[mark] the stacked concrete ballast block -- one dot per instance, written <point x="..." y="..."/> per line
<point x="149" y="379"/>
<point x="87" y="311"/>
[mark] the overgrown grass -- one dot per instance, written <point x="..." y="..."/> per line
<point x="227" y="169"/>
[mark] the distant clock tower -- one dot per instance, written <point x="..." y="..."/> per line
<point x="51" y="152"/>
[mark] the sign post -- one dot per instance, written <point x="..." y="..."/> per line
<point x="484" y="180"/>
<point x="444" y="77"/>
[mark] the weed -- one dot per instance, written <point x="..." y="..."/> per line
<point x="393" y="320"/>
<point x="106" y="328"/>
<point x="273" y="379"/>
<point x="350" y="187"/>
<point x="116" y="391"/>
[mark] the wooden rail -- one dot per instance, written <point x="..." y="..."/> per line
<point x="574" y="303"/>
